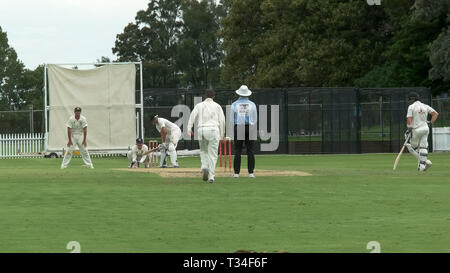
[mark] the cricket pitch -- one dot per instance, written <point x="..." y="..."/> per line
<point x="220" y="172"/>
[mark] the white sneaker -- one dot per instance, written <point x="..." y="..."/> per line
<point x="89" y="166"/>
<point x="235" y="175"/>
<point x="427" y="165"/>
<point x="251" y="175"/>
<point x="63" y="167"/>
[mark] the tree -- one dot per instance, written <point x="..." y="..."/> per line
<point x="282" y="43"/>
<point x="429" y="11"/>
<point x="199" y="53"/>
<point x="417" y="53"/>
<point x="33" y="86"/>
<point x="177" y="42"/>
<point x="241" y="30"/>
<point x="440" y="57"/>
<point x="104" y="59"/>
<point x="152" y="39"/>
<point x="11" y="75"/>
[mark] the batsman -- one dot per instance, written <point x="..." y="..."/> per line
<point x="170" y="135"/>
<point x="417" y="124"/>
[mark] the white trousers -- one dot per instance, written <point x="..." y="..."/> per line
<point x="209" y="143"/>
<point x="77" y="141"/>
<point x="418" y="145"/>
<point x="419" y="137"/>
<point x="171" y="142"/>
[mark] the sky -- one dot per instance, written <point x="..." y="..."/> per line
<point x="65" y="31"/>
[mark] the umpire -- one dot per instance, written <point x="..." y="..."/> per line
<point x="244" y="116"/>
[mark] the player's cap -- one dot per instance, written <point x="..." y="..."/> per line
<point x="77" y="109"/>
<point x="139" y="140"/>
<point x="153" y="116"/>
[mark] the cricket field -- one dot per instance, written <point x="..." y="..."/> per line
<point x="345" y="202"/>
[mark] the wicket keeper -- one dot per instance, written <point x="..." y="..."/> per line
<point x="137" y="155"/>
<point x="416" y="121"/>
<point x="170" y="135"/>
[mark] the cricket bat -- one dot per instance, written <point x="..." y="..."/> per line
<point x="400" y="153"/>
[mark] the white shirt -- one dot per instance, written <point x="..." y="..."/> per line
<point x="170" y="126"/>
<point x="208" y="114"/>
<point x="135" y="152"/>
<point x="77" y="126"/>
<point x="419" y="112"/>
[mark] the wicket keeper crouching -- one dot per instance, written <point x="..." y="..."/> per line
<point x="138" y="154"/>
<point x="416" y="120"/>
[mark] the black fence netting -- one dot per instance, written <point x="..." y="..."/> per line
<point x="308" y="120"/>
<point x="18" y="122"/>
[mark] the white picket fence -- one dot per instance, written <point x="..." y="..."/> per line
<point x="21" y="145"/>
<point x="441" y="139"/>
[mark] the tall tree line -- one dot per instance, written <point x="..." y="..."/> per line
<point x="282" y="43"/>
<point x="269" y="43"/>
<point x="286" y="43"/>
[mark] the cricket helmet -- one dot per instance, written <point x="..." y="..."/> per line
<point x="153" y="116"/>
<point x="413" y="97"/>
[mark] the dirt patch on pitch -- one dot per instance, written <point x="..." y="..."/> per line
<point x="195" y="172"/>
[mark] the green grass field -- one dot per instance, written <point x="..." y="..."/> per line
<point x="349" y="201"/>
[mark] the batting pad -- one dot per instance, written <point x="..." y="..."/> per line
<point x="106" y="96"/>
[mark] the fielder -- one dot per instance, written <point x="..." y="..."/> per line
<point x="138" y="154"/>
<point x="211" y="128"/>
<point x="416" y="121"/>
<point x="77" y="134"/>
<point x="170" y="135"/>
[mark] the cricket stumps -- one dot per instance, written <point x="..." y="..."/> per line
<point x="153" y="156"/>
<point x="225" y="154"/>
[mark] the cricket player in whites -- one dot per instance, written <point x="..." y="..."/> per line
<point x="77" y="134"/>
<point x="211" y="128"/>
<point x="170" y="135"/>
<point x="416" y="121"/>
<point x="137" y="154"/>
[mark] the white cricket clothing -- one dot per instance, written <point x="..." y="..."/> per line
<point x="419" y="138"/>
<point x="211" y="128"/>
<point x="77" y="136"/>
<point x="136" y="154"/>
<point x="208" y="114"/>
<point x="170" y="126"/>
<point x="77" y="141"/>
<point x="418" y="146"/>
<point x="173" y="135"/>
<point x="209" y="144"/>
<point x="419" y="112"/>
<point x="77" y="126"/>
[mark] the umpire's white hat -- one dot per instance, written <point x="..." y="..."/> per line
<point x="243" y="91"/>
